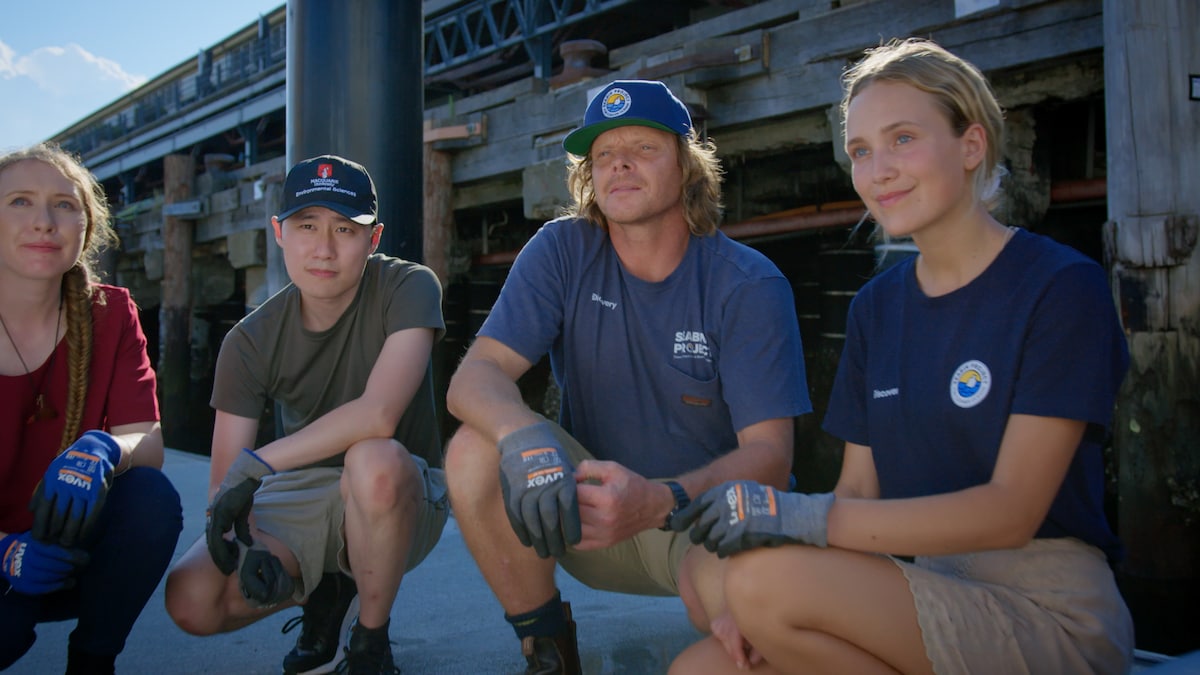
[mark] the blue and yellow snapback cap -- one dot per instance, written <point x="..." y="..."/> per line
<point x="629" y="102"/>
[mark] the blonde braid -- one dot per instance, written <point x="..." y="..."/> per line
<point x="77" y="296"/>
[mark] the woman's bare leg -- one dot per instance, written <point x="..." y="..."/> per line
<point x="811" y="610"/>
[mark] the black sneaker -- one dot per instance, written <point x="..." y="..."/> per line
<point x="80" y="662"/>
<point x="368" y="653"/>
<point x="325" y="621"/>
<point x="558" y="655"/>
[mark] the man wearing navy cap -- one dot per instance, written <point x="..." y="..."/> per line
<point x="679" y="361"/>
<point x="351" y="496"/>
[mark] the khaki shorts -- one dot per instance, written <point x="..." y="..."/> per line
<point x="647" y="564"/>
<point x="1050" y="607"/>
<point x="305" y="511"/>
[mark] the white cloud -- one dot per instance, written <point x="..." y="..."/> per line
<point x="52" y="87"/>
<point x="6" y="61"/>
<point x="66" y="70"/>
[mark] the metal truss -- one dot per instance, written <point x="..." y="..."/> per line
<point x="479" y="28"/>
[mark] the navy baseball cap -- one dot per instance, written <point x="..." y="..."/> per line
<point x="622" y="103"/>
<point x="334" y="182"/>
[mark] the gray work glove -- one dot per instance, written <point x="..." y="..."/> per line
<point x="263" y="580"/>
<point x="740" y="515"/>
<point x="230" y="509"/>
<point x="539" y="490"/>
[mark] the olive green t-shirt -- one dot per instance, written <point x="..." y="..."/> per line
<point x="270" y="356"/>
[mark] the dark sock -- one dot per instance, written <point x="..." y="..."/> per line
<point x="545" y="621"/>
<point x="372" y="634"/>
<point x="326" y="592"/>
<point x="80" y="662"/>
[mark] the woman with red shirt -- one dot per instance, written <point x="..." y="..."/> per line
<point x="88" y="522"/>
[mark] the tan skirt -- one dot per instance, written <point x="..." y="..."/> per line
<point x="1051" y="607"/>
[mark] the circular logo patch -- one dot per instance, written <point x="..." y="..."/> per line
<point x="616" y="103"/>
<point x="970" y="384"/>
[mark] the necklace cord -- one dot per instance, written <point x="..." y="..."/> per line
<point x="42" y="410"/>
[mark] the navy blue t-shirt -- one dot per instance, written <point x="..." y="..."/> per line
<point x="929" y="383"/>
<point x="656" y="376"/>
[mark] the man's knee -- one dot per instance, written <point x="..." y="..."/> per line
<point x="190" y="602"/>
<point x="472" y="465"/>
<point x="379" y="474"/>
<point x="464" y="448"/>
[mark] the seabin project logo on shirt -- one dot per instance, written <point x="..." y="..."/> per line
<point x="691" y="344"/>
<point x="970" y="384"/>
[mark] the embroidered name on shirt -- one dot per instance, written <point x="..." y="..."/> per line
<point x="691" y="344"/>
<point x="605" y="303"/>
<point x="886" y="393"/>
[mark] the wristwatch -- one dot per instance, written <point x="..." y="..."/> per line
<point x="681" y="502"/>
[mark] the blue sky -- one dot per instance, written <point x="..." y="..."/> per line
<point x="61" y="60"/>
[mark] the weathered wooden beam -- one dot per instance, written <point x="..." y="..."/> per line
<point x="744" y="48"/>
<point x="786" y="132"/>
<point x="438" y="212"/>
<point x="474" y="131"/>
<point x="1155" y="241"/>
<point x="807" y="57"/>
<point x="175" y="313"/>
<point x="1153" y="130"/>
<point x="761" y="15"/>
<point x="497" y="189"/>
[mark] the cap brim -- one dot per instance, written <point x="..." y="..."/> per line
<point x="579" y="142"/>
<point x="352" y="214"/>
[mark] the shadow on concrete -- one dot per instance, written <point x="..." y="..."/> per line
<point x="445" y="620"/>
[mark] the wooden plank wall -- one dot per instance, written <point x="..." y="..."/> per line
<point x="1154" y="210"/>
<point x="807" y="45"/>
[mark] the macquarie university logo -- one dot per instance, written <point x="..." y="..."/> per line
<point x="970" y="384"/>
<point x="325" y="182"/>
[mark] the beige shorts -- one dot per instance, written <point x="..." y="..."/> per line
<point x="1050" y="607"/>
<point x="647" y="564"/>
<point x="305" y="511"/>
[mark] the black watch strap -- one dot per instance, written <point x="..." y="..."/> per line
<point x="681" y="501"/>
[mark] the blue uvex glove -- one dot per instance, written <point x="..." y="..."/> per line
<point x="740" y="515"/>
<point x="66" y="503"/>
<point x="263" y="580"/>
<point x="230" y="508"/>
<point x="539" y="490"/>
<point x="34" y="568"/>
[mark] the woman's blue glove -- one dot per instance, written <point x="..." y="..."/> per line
<point x="66" y="503"/>
<point x="539" y="490"/>
<point x="740" y="515"/>
<point x="34" y="568"/>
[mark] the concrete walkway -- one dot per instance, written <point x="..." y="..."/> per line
<point x="445" y="620"/>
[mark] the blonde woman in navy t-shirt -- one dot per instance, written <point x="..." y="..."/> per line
<point x="974" y="392"/>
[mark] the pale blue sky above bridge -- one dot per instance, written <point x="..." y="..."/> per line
<point x="61" y="60"/>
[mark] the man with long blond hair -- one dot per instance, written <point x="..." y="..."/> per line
<point x="679" y="360"/>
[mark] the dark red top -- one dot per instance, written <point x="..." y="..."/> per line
<point x="121" y="390"/>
